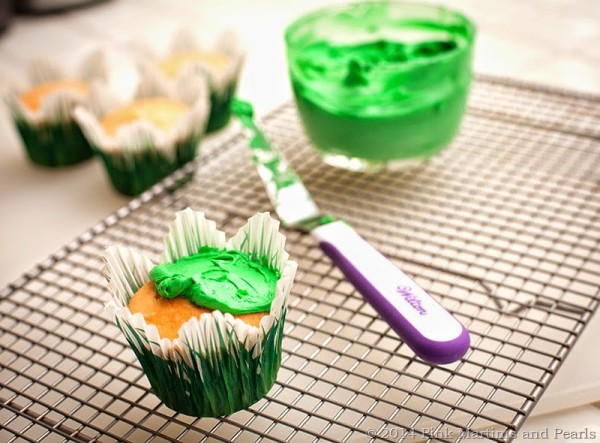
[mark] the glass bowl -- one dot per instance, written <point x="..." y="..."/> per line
<point x="380" y="84"/>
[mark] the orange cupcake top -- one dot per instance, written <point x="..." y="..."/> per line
<point x="32" y="99"/>
<point x="172" y="65"/>
<point x="168" y="314"/>
<point x="161" y="112"/>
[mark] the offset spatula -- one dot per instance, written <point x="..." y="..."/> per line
<point x="422" y="323"/>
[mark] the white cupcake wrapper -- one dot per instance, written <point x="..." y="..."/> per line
<point x="189" y="233"/>
<point x="141" y="135"/>
<point x="59" y="105"/>
<point x="153" y="85"/>
<point x="127" y="271"/>
<point x="43" y="70"/>
<point x="102" y="99"/>
<point x="94" y="67"/>
<point x="183" y="41"/>
<point x="190" y="88"/>
<point x="227" y="43"/>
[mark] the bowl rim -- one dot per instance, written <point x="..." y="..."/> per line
<point x="314" y="15"/>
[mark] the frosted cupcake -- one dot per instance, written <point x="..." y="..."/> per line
<point x="144" y="140"/>
<point x="207" y="323"/>
<point x="43" y="110"/>
<point x="221" y="64"/>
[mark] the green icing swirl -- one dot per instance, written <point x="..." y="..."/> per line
<point x="229" y="281"/>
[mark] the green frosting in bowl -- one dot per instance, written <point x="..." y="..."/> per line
<point x="228" y="281"/>
<point x="380" y="81"/>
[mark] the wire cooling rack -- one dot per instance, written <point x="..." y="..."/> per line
<point x="502" y="228"/>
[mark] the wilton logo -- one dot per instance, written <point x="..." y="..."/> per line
<point x="411" y="299"/>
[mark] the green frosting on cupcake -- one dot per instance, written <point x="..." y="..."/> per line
<point x="228" y="281"/>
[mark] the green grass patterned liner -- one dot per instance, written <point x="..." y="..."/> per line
<point x="140" y="154"/>
<point x="211" y="387"/>
<point x="132" y="171"/>
<point x="222" y="82"/>
<point x="218" y="364"/>
<point x="220" y="108"/>
<point x="55" y="143"/>
<point x="50" y="135"/>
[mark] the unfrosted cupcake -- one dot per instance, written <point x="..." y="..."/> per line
<point x="221" y="64"/>
<point x="144" y="140"/>
<point x="207" y="324"/>
<point x="43" y="110"/>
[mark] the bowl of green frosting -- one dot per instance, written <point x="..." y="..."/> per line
<point x="380" y="84"/>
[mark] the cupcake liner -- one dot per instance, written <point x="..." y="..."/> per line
<point x="43" y="70"/>
<point x="140" y="154"/>
<point x="134" y="171"/>
<point x="50" y="135"/>
<point x="220" y="108"/>
<point x="218" y="364"/>
<point x="227" y="43"/>
<point x="54" y="144"/>
<point x="222" y="82"/>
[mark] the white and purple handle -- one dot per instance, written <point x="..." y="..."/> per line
<point x="422" y="323"/>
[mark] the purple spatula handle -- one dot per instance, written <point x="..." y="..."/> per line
<point x="422" y="323"/>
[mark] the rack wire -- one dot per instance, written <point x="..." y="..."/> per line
<point x="502" y="228"/>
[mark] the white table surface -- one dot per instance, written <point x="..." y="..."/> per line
<point x="555" y="42"/>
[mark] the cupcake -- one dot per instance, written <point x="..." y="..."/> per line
<point x="207" y="323"/>
<point x="221" y="64"/>
<point x="43" y="111"/>
<point x="143" y="140"/>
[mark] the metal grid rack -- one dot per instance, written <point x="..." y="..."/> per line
<point x="502" y="228"/>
